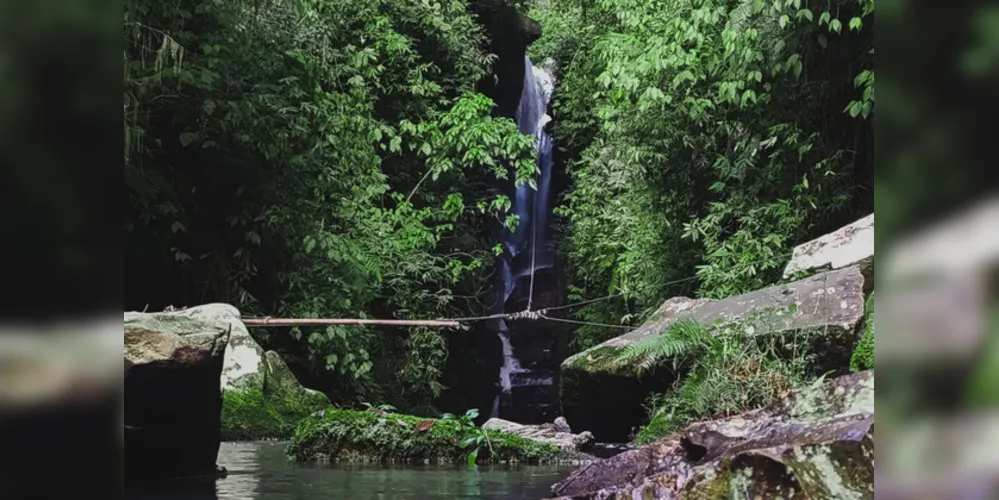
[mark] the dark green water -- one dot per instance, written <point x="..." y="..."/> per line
<point x="259" y="471"/>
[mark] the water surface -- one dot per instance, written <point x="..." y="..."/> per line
<point x="260" y="471"/>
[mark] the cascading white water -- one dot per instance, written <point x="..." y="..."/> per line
<point x="530" y="239"/>
<point x="511" y="364"/>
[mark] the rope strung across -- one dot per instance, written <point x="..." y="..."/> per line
<point x="447" y="323"/>
<point x="268" y="321"/>
<point x="527" y="314"/>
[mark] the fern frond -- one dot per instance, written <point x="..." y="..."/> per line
<point x="685" y="337"/>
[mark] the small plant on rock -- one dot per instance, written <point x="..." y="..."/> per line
<point x="380" y="409"/>
<point x="468" y="419"/>
<point x="863" y="355"/>
<point x="478" y="438"/>
<point x="477" y="441"/>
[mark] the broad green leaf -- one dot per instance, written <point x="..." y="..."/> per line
<point x="188" y="137"/>
<point x="867" y="109"/>
<point x="855" y="108"/>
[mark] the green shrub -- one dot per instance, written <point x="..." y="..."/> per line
<point x="250" y="415"/>
<point x="657" y="427"/>
<point x="714" y="162"/>
<point x="325" y="159"/>
<point x="720" y="375"/>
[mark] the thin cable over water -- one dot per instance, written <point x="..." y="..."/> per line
<point x="534" y="315"/>
<point x="587" y="323"/>
<point x="668" y="283"/>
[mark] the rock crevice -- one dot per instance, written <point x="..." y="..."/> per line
<point x="817" y="440"/>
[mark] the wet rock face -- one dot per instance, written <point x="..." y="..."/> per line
<point x="510" y="32"/>
<point x="539" y="347"/>
<point x="173" y="402"/>
<point x="818" y="441"/>
<point x="561" y="425"/>
<point x="603" y="394"/>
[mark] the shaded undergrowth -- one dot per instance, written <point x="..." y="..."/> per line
<point x="722" y="374"/>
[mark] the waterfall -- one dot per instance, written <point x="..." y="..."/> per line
<point x="527" y="249"/>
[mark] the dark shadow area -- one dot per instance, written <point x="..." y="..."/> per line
<point x="186" y="489"/>
<point x="614" y="410"/>
<point x="64" y="449"/>
<point x="172" y="420"/>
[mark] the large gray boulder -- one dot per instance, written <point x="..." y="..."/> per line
<point x="255" y="380"/>
<point x="173" y="402"/>
<point x="850" y="245"/>
<point x="247" y="365"/>
<point x="244" y="359"/>
<point x="604" y="393"/>
<point x="817" y="442"/>
<point x="543" y="433"/>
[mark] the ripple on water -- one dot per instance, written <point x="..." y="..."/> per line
<point x="260" y="471"/>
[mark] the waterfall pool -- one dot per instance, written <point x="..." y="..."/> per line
<point x="260" y="471"/>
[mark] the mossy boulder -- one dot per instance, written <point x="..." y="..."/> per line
<point x="817" y="442"/>
<point x="377" y="437"/>
<point x="262" y="399"/>
<point x="603" y="392"/>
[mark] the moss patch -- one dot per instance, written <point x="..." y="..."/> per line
<point x="360" y="436"/>
<point x="863" y="355"/>
<point x="658" y="427"/>
<point x="250" y="415"/>
<point x="602" y="359"/>
<point x="569" y="389"/>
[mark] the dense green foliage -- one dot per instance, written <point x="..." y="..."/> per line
<point x="706" y="139"/>
<point x="313" y="158"/>
<point x="863" y="355"/>
<point x="374" y="436"/>
<point x="251" y="415"/>
<point x="721" y="374"/>
<point x="317" y="159"/>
